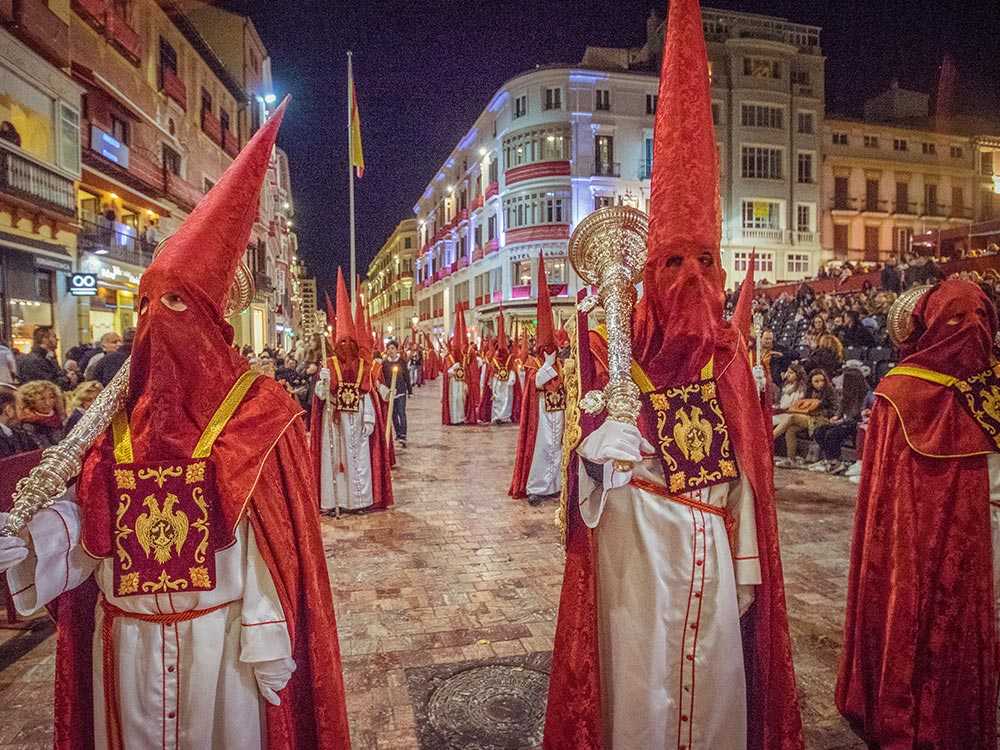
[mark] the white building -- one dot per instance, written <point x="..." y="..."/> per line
<point x="557" y="142"/>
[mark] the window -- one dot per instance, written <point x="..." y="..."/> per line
<point x="120" y="129"/>
<point x="224" y="120"/>
<point x="741" y="261"/>
<point x="797" y="263"/>
<point x="805" y="174"/>
<point x="407" y="243"/>
<point x="602" y="100"/>
<point x="532" y="209"/>
<point x="603" y="201"/>
<point x="839" y="139"/>
<point x="761" y="163"/>
<point x="491" y="227"/>
<point x="761" y="215"/>
<point x="871" y="195"/>
<point x="900" y="144"/>
<point x="840" y="238"/>
<point x="604" y="155"/>
<point x="653" y="99"/>
<point x="986" y="201"/>
<point x="69" y="138"/>
<point x="929" y="149"/>
<point x="803" y="218"/>
<point x="807" y="123"/>
<point x="531" y="146"/>
<point x="957" y="152"/>
<point x="553" y="211"/>
<point x="553" y="147"/>
<point x="207" y="185"/>
<point x="903" y="198"/>
<point x="871" y="141"/>
<point x="871" y="243"/>
<point x="800" y="77"/>
<point x="522" y="274"/>
<point x="716" y="113"/>
<point x="761" y="116"/>
<point x="553" y="98"/>
<point x="206" y="102"/>
<point x="931" y="199"/>
<point x="171" y="161"/>
<point x="494" y="128"/>
<point x="520" y="106"/>
<point x="986" y="163"/>
<point x="902" y="238"/>
<point x="957" y="201"/>
<point x="761" y="67"/>
<point x="168" y="56"/>
<point x="479" y="235"/>
<point x="840" y="193"/>
<point x="494" y="171"/>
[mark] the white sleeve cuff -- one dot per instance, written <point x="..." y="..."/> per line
<point x="544" y="375"/>
<point x="747" y="570"/>
<point x="592" y="503"/>
<point x="264" y="631"/>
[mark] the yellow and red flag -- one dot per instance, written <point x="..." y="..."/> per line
<point x="357" y="154"/>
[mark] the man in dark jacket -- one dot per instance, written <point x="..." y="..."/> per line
<point x="394" y="362"/>
<point x="13" y="439"/>
<point x="112" y="362"/>
<point x="891" y="277"/>
<point x="40" y="363"/>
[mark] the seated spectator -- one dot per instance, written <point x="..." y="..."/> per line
<point x="81" y="400"/>
<point x="855" y="333"/>
<point x="827" y="356"/>
<point x="40" y="412"/>
<point x="13" y="439"/>
<point x="856" y="398"/>
<point x="806" y="414"/>
<point x="793" y="390"/>
<point x="817" y="328"/>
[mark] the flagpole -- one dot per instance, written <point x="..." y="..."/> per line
<point x="350" y="173"/>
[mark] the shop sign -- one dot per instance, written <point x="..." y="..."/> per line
<point x="530" y="252"/>
<point x="83" y="284"/>
<point x="108" y="146"/>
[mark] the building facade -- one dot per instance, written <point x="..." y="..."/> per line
<point x="556" y="143"/>
<point x="388" y="291"/>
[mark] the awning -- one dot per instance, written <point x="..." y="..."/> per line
<point x="91" y="180"/>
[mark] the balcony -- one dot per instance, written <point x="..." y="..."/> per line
<point x="904" y="208"/>
<point x="463" y="262"/>
<point x="843" y="203"/>
<point x="93" y="12"/>
<point x="478" y="253"/>
<point x="180" y="191"/>
<point x="607" y="169"/>
<point x="492" y="189"/>
<point x="124" y="38"/>
<point x="461" y="216"/>
<point x="262" y="282"/>
<point x="110" y="241"/>
<point x="211" y="126"/>
<point x="934" y="211"/>
<point x="497" y="296"/>
<point x="806" y="238"/>
<point x="539" y="232"/>
<point x="36" y="185"/>
<point x="477" y="203"/>
<point x="39" y="27"/>
<point x="645" y="169"/>
<point x="230" y="143"/>
<point x="763" y="235"/>
<point x="536" y="171"/>
<point x="492" y="246"/>
<point x="453" y="268"/>
<point x="522" y="291"/>
<point x="173" y="87"/>
<point x="875" y="206"/>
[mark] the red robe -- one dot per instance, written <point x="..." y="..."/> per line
<point x="281" y="508"/>
<point x="381" y="455"/>
<point x="574" y="716"/>
<point x="528" y="429"/>
<point x="919" y="667"/>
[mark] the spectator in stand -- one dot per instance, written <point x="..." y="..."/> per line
<point x="793" y="390"/>
<point x="13" y="439"/>
<point x="827" y="356"/>
<point x="891" y="278"/>
<point x="772" y="356"/>
<point x="109" y="343"/>
<point x="817" y="329"/>
<point x="40" y="363"/>
<point x="855" y="333"/>
<point x="81" y="400"/>
<point x="806" y="415"/>
<point x="8" y="365"/>
<point x="40" y="411"/>
<point x="855" y="399"/>
<point x="112" y="362"/>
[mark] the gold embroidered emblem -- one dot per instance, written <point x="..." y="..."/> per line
<point x="555" y="400"/>
<point x="200" y="577"/>
<point x="125" y="479"/>
<point x="678" y="481"/>
<point x="164" y="583"/>
<point x="161" y="530"/>
<point x="693" y="434"/>
<point x="195" y="473"/>
<point x="160" y="474"/>
<point x="981" y="397"/>
<point x="128" y="584"/>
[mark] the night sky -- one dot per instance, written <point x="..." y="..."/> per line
<point x="424" y="71"/>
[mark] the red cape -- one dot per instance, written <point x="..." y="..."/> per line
<point x="574" y="719"/>
<point x="919" y="666"/>
<point x="526" y="434"/>
<point x="282" y="511"/>
<point x="382" y="496"/>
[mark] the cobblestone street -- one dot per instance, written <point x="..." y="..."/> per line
<point x="457" y="576"/>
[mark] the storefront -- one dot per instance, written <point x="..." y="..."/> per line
<point x="29" y="292"/>
<point x="112" y="308"/>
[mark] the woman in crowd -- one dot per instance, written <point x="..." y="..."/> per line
<point x="855" y="333"/>
<point x="855" y="400"/>
<point x="806" y="415"/>
<point x="81" y="400"/>
<point x="828" y="355"/>
<point x="793" y="389"/>
<point x="817" y="328"/>
<point x="40" y="412"/>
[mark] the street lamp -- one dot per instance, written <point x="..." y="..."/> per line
<point x="270" y="98"/>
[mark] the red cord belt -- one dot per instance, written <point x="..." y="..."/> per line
<point x="112" y="613"/>
<point x="661" y="491"/>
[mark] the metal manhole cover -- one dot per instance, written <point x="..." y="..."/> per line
<point x="495" y="707"/>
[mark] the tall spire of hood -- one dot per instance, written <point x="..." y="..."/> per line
<point x="331" y="312"/>
<point x="345" y="323"/>
<point x="684" y="196"/>
<point x="204" y="253"/>
<point x="744" y="304"/>
<point x="461" y="332"/>
<point x="545" y="336"/>
<point x="502" y="346"/>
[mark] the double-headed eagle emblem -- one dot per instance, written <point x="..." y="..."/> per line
<point x="161" y="530"/>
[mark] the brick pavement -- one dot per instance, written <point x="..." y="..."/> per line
<point x="458" y="572"/>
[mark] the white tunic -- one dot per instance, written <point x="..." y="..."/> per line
<point x="189" y="685"/>
<point x="545" y="475"/>
<point x="457" y="390"/>
<point x="345" y="460"/>
<point x="672" y="673"/>
<point x="503" y="397"/>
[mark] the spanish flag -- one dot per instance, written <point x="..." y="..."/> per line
<point x="357" y="154"/>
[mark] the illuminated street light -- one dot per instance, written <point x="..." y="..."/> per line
<point x="270" y="98"/>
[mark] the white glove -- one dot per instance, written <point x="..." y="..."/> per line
<point x="758" y="375"/>
<point x="272" y="676"/>
<point x="550" y="360"/>
<point x="13" y="549"/>
<point x="324" y="374"/>
<point x="614" y="441"/>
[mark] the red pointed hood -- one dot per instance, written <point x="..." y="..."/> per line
<point x="460" y="338"/>
<point x="331" y="313"/>
<point x="744" y="304"/>
<point x="502" y="346"/>
<point x="345" y="330"/>
<point x="183" y="363"/>
<point x="545" y="336"/>
<point x="675" y="321"/>
<point x="362" y="329"/>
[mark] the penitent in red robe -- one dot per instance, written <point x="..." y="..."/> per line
<point x="919" y="668"/>
<point x="574" y="715"/>
<point x="275" y="483"/>
<point x="527" y="433"/>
